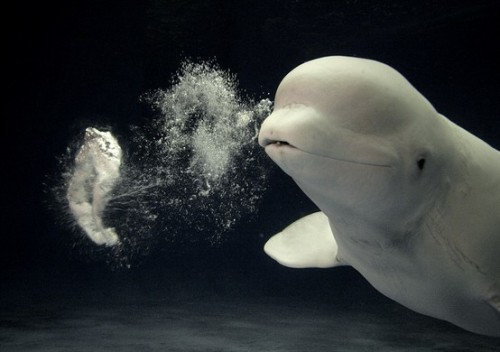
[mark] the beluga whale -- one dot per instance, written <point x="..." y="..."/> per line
<point x="406" y="197"/>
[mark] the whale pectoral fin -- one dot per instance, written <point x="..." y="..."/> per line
<point x="306" y="243"/>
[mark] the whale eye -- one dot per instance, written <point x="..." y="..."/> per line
<point x="421" y="163"/>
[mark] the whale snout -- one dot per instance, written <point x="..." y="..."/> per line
<point x="266" y="139"/>
<point x="269" y="134"/>
<point x="288" y="125"/>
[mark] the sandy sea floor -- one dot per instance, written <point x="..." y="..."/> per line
<point x="86" y="321"/>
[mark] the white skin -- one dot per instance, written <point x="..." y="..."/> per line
<point x="96" y="171"/>
<point x="413" y="201"/>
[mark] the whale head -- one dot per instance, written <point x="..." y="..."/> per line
<point x="357" y="138"/>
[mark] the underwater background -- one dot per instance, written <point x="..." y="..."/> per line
<point x="196" y="278"/>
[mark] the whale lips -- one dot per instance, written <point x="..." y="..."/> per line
<point x="276" y="142"/>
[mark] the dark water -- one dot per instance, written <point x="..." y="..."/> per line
<point x="95" y="321"/>
<point x="77" y="63"/>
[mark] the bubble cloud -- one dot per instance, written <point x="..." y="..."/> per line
<point x="191" y="173"/>
<point x="96" y="171"/>
<point x="206" y="147"/>
<point x="205" y="122"/>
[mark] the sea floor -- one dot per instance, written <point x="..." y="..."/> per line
<point x="143" y="323"/>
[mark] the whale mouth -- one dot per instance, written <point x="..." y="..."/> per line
<point x="275" y="142"/>
<point x="279" y="143"/>
<point x="282" y="144"/>
<point x="274" y="145"/>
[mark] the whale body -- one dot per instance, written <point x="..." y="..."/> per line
<point x="406" y="197"/>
